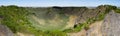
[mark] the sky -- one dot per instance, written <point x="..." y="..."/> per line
<point x="48" y="3"/>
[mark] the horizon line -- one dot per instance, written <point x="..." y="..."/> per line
<point x="57" y="6"/>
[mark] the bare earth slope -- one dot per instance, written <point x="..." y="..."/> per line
<point x="93" y="31"/>
<point x="111" y="24"/>
<point x="5" y="31"/>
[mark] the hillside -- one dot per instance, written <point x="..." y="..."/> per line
<point x="64" y="16"/>
<point x="110" y="26"/>
<point x="51" y="21"/>
<point x="107" y="27"/>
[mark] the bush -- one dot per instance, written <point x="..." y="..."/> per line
<point x="117" y="10"/>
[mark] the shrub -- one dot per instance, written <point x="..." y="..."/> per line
<point x="117" y="10"/>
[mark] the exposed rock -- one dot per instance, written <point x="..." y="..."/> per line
<point x="5" y="31"/>
<point x="82" y="15"/>
<point x="111" y="24"/>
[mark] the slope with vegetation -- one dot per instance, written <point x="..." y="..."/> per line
<point x="51" y="21"/>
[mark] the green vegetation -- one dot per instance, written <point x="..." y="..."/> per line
<point x="14" y="17"/>
<point x="85" y="25"/>
<point x="108" y="7"/>
<point x="117" y="10"/>
<point x="47" y="19"/>
<point x="19" y="19"/>
<point x="88" y="22"/>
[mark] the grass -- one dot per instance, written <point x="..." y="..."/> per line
<point x="49" y="24"/>
<point x="117" y="10"/>
<point x="18" y="19"/>
<point x="13" y="16"/>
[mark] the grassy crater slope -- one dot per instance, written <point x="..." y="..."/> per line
<point x="51" y="21"/>
<point x="47" y="19"/>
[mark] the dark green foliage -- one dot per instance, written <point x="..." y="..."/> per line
<point x="108" y="7"/>
<point x="56" y="7"/>
<point x="57" y="33"/>
<point x="117" y="10"/>
<point x="68" y="30"/>
<point x="111" y="7"/>
<point x="79" y="27"/>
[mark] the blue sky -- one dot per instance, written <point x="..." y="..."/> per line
<point x="46" y="3"/>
